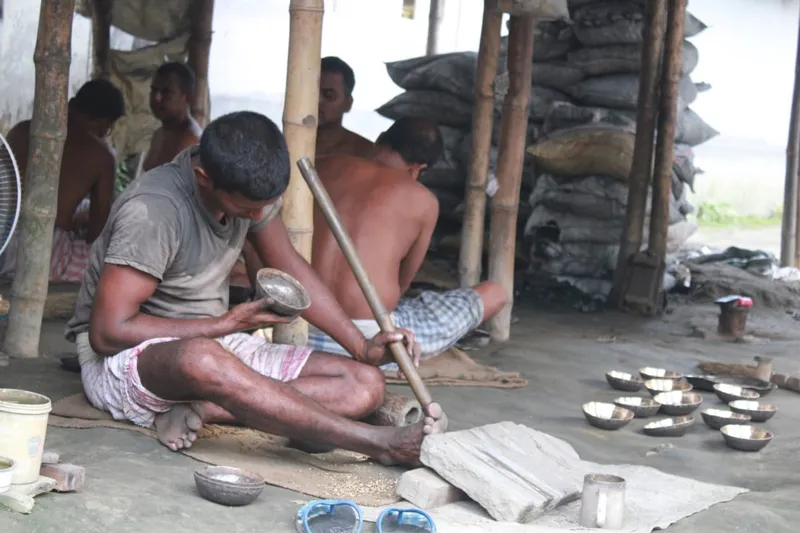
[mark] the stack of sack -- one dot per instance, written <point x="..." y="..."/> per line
<point x="582" y="122"/>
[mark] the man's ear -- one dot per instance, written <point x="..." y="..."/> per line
<point x="202" y="178"/>
<point x="348" y="104"/>
<point x="416" y="170"/>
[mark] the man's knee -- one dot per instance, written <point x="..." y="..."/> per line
<point x="371" y="386"/>
<point x="494" y="298"/>
<point x="202" y="360"/>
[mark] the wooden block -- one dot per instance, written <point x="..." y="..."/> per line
<point x="50" y="458"/>
<point x="512" y="471"/>
<point x="68" y="477"/>
<point x="425" y="489"/>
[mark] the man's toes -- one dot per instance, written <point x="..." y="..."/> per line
<point x="435" y="410"/>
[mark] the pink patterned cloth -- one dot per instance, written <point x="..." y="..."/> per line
<point x="112" y="384"/>
<point x="69" y="257"/>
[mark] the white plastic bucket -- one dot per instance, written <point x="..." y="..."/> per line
<point x="23" y="428"/>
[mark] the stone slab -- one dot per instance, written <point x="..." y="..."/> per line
<point x="514" y="472"/>
<point x="427" y="490"/>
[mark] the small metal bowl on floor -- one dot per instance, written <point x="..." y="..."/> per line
<point x="227" y="485"/>
<point x="669" y="427"/>
<point x="758" y="412"/>
<point x="624" y="381"/>
<point x="657" y="386"/>
<point x="641" y="407"/>
<point x="606" y="415"/>
<point x="745" y="438"/>
<point x="677" y="403"/>
<point x="717" y="418"/>
<point x="650" y="372"/>
<point x="289" y="297"/>
<point x="730" y="393"/>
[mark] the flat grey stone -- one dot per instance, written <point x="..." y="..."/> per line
<point x="514" y="472"/>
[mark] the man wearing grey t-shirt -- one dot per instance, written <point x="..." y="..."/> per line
<point x="157" y="343"/>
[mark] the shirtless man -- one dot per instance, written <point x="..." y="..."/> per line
<point x="157" y="343"/>
<point x="336" y="83"/>
<point x="390" y="217"/>
<point x="88" y="168"/>
<point x="170" y="101"/>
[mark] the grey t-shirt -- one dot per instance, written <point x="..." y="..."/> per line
<point x="158" y="226"/>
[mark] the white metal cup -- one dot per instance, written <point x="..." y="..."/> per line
<point x="603" y="501"/>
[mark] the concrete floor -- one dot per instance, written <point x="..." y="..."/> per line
<point x="134" y="484"/>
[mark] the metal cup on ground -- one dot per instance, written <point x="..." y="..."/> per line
<point x="603" y="501"/>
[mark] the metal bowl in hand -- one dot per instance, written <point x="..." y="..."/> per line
<point x="289" y="298"/>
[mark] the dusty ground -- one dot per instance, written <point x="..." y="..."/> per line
<point x="134" y="484"/>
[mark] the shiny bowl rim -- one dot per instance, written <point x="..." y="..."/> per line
<point x="626" y="412"/>
<point x="767" y="437"/>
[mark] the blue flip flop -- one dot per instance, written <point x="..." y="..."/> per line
<point x="329" y="516"/>
<point x="405" y="521"/>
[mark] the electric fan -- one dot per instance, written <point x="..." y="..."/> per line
<point x="10" y="194"/>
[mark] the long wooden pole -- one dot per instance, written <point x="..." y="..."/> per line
<point x="642" y="165"/>
<point x="665" y="143"/>
<point x="510" y="159"/>
<point x="201" y="16"/>
<point x="300" y="129"/>
<point x="790" y="229"/>
<point x="101" y="39"/>
<point x="471" y="254"/>
<point x="40" y="194"/>
<point x="379" y="311"/>
<point x="435" y="17"/>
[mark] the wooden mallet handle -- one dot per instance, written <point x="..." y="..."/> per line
<point x="376" y="305"/>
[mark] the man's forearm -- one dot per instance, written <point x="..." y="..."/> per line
<point x="143" y="327"/>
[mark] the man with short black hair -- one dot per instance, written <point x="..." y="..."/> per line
<point x="157" y="343"/>
<point x="391" y="217"/>
<point x="336" y="83"/>
<point x="171" y="95"/>
<point x="88" y="170"/>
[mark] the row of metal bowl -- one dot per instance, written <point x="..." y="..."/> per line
<point x="673" y="395"/>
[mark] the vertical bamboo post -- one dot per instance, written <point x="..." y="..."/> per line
<point x="300" y="129"/>
<point x="513" y="133"/>
<point x="201" y="16"/>
<point x="435" y="17"/>
<point x="40" y="195"/>
<point x="101" y="39"/>
<point x="642" y="165"/>
<point x="471" y="254"/>
<point x="665" y="143"/>
<point x="789" y="227"/>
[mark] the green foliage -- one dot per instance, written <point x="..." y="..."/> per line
<point x="124" y="177"/>
<point x="723" y="215"/>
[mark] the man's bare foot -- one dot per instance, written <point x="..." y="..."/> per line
<point x="177" y="428"/>
<point x="405" y="444"/>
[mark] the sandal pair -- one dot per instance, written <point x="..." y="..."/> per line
<point x="342" y="516"/>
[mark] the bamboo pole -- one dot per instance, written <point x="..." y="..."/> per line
<point x="40" y="194"/>
<point x="300" y="129"/>
<point x="642" y="165"/>
<point x="202" y="17"/>
<point x="790" y="229"/>
<point x="101" y="39"/>
<point x="665" y="143"/>
<point x="513" y="133"/>
<point x="471" y="254"/>
<point x="435" y="17"/>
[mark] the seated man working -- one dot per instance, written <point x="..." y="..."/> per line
<point x="88" y="168"/>
<point x="391" y="217"/>
<point x="157" y="343"/>
<point x="336" y="84"/>
<point x="170" y="101"/>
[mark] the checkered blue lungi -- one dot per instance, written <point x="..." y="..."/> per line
<point x="437" y="320"/>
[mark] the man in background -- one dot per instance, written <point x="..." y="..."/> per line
<point x="88" y="170"/>
<point x="336" y="83"/>
<point x="170" y="101"/>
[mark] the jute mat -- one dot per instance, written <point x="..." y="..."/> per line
<point x="339" y="474"/>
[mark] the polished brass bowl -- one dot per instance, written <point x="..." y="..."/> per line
<point x="606" y="415"/>
<point x="289" y="298"/>
<point x="669" y="427"/>
<point x="717" y="418"/>
<point x="758" y="412"/>
<point x="657" y="386"/>
<point x="650" y="372"/>
<point x="730" y="393"/>
<point x="624" y="381"/>
<point x="745" y="438"/>
<point x="641" y="407"/>
<point x="677" y="403"/>
<point x="227" y="485"/>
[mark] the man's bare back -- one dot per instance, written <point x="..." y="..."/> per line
<point x="390" y="218"/>
<point x="87" y="169"/>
